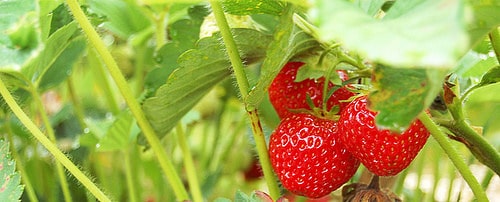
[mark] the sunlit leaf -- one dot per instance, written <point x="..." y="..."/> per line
<point x="199" y="70"/>
<point x="370" y="7"/>
<point x="247" y="7"/>
<point x="408" y="36"/>
<point x="491" y="77"/>
<point x="123" y="18"/>
<point x="118" y="135"/>
<point x="11" y="12"/>
<point x="402" y="94"/>
<point x="485" y="18"/>
<point x="10" y="188"/>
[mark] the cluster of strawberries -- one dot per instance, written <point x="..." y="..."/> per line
<point x="314" y="153"/>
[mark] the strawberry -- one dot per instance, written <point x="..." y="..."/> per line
<point x="383" y="152"/>
<point x="286" y="94"/>
<point x="307" y="156"/>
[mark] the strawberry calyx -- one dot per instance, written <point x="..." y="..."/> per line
<point x="371" y="192"/>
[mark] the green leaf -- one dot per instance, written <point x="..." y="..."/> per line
<point x="474" y="64"/>
<point x="17" y="84"/>
<point x="124" y="18"/>
<point x="413" y="33"/>
<point x="199" y="70"/>
<point x="370" y="7"/>
<point x="11" y="12"/>
<point x="10" y="188"/>
<point x="62" y="67"/>
<point x="248" y="7"/>
<point x="289" y="40"/>
<point x="184" y="33"/>
<point x="119" y="134"/>
<point x="60" y="17"/>
<point x="54" y="47"/>
<point x="485" y="18"/>
<point x="491" y="77"/>
<point x="14" y="79"/>
<point x="402" y="94"/>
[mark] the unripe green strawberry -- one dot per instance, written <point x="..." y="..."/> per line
<point x="287" y="95"/>
<point x="307" y="156"/>
<point x="383" y="152"/>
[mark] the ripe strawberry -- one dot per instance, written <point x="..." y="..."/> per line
<point x="383" y="152"/>
<point x="307" y="156"/>
<point x="286" y="94"/>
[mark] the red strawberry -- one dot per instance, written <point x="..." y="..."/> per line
<point x="307" y="156"/>
<point x="286" y="94"/>
<point x="383" y="152"/>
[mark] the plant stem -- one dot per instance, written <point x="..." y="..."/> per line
<point x="148" y="131"/>
<point x="51" y="147"/>
<point x="194" y="185"/>
<point x="477" y="144"/>
<point x="161" y="27"/>
<point x="104" y="83"/>
<point x="455" y="158"/>
<point x="20" y="166"/>
<point x="52" y="137"/>
<point x="495" y="42"/>
<point x="243" y="85"/>
<point x="131" y="190"/>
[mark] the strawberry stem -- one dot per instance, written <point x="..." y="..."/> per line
<point x="243" y="85"/>
<point x="375" y="183"/>
<point x="494" y="36"/>
<point x="98" y="44"/>
<point x="476" y="143"/>
<point x="455" y="158"/>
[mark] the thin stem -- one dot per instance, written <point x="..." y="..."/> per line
<point x="131" y="189"/>
<point x="50" y="133"/>
<point x="495" y="42"/>
<point x="51" y="147"/>
<point x="161" y="27"/>
<point x="194" y="185"/>
<point x="20" y="166"/>
<point x="148" y="131"/>
<point x="455" y="158"/>
<point x="104" y="83"/>
<point x="265" y="162"/>
<point x="231" y="48"/>
<point x="243" y="85"/>
<point x="477" y="144"/>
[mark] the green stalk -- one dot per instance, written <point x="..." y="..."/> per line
<point x="194" y="185"/>
<point x="148" y="131"/>
<point x="50" y="133"/>
<point x="495" y="42"/>
<point x="455" y="158"/>
<point x="161" y="28"/>
<point x="477" y="144"/>
<point x="131" y="190"/>
<point x="243" y="85"/>
<point x="51" y="147"/>
<point x="20" y="166"/>
<point x="104" y="83"/>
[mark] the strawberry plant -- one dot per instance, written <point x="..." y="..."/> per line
<point x="182" y="100"/>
